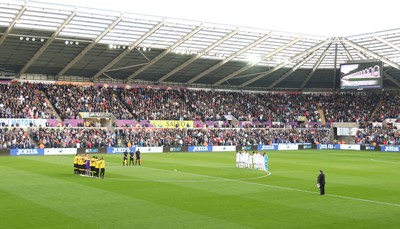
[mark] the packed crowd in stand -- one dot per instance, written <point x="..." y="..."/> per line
<point x="184" y="104"/>
<point x="69" y="100"/>
<point x="388" y="107"/>
<point x="28" y="100"/>
<point x="72" y="137"/>
<point x="14" y="137"/>
<point x="349" y="107"/>
<point x="24" y="101"/>
<point x="378" y="136"/>
<point x="152" y="137"/>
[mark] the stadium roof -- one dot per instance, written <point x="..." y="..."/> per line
<point x="45" y="41"/>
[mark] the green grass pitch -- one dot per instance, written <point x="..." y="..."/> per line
<point x="206" y="191"/>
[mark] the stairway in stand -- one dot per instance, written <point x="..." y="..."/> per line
<point x="375" y="110"/>
<point x="321" y="114"/>
<point x="51" y="106"/>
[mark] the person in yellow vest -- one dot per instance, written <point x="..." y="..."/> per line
<point x="102" y="166"/>
<point x="93" y="166"/>
<point x="76" y="159"/>
<point x="97" y="168"/>
<point x="81" y="164"/>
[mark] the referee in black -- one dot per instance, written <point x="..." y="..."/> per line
<point x="131" y="158"/>
<point x="321" y="182"/>
<point x="138" y="160"/>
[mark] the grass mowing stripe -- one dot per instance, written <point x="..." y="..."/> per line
<point x="160" y="197"/>
<point x="75" y="202"/>
<point x="213" y="178"/>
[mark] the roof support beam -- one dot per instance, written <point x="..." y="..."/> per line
<point x="271" y="54"/>
<point x="127" y="51"/>
<point x="334" y="65"/>
<point x="347" y="52"/>
<point x="194" y="58"/>
<point x="231" y="57"/>
<point x="47" y="43"/>
<point x="298" y="56"/>
<point x="7" y="32"/>
<point x="362" y="56"/>
<point x="376" y="56"/>
<point x="165" y="52"/>
<point x="88" y="48"/>
<point x="316" y="65"/>
<point x="298" y="65"/>
<point x="387" y="43"/>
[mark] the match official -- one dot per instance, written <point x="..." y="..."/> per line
<point x="321" y="182"/>
<point x="102" y="166"/>
<point x="138" y="159"/>
<point x="131" y="158"/>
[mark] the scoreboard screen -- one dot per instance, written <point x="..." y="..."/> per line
<point x="363" y="75"/>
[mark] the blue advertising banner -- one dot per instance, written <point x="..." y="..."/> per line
<point x="26" y="152"/>
<point x="200" y="148"/>
<point x="267" y="147"/>
<point x="328" y="146"/>
<point x="390" y="148"/>
<point x="120" y="150"/>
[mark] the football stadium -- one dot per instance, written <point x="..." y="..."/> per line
<point x="114" y="119"/>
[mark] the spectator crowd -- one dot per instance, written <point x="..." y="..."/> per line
<point x="66" y="101"/>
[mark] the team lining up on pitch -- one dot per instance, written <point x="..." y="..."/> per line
<point x="254" y="160"/>
<point x="85" y="165"/>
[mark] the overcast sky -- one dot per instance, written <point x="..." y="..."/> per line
<point x="317" y="17"/>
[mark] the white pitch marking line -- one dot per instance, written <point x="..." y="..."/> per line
<point x="272" y="186"/>
<point x="266" y="185"/>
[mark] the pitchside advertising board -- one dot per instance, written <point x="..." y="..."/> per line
<point x="175" y="149"/>
<point x="121" y="150"/>
<point x="223" y="148"/>
<point x="60" y="151"/>
<point x="390" y="148"/>
<point x="328" y="146"/>
<point x="26" y="152"/>
<point x="91" y="150"/>
<point x="200" y="148"/>
<point x="267" y="147"/>
<point x="150" y="149"/>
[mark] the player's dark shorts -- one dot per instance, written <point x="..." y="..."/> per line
<point x="92" y="168"/>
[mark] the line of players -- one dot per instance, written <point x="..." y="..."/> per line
<point x="255" y="160"/>
<point x="132" y="159"/>
<point x="86" y="166"/>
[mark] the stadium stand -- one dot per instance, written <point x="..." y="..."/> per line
<point x="266" y="118"/>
